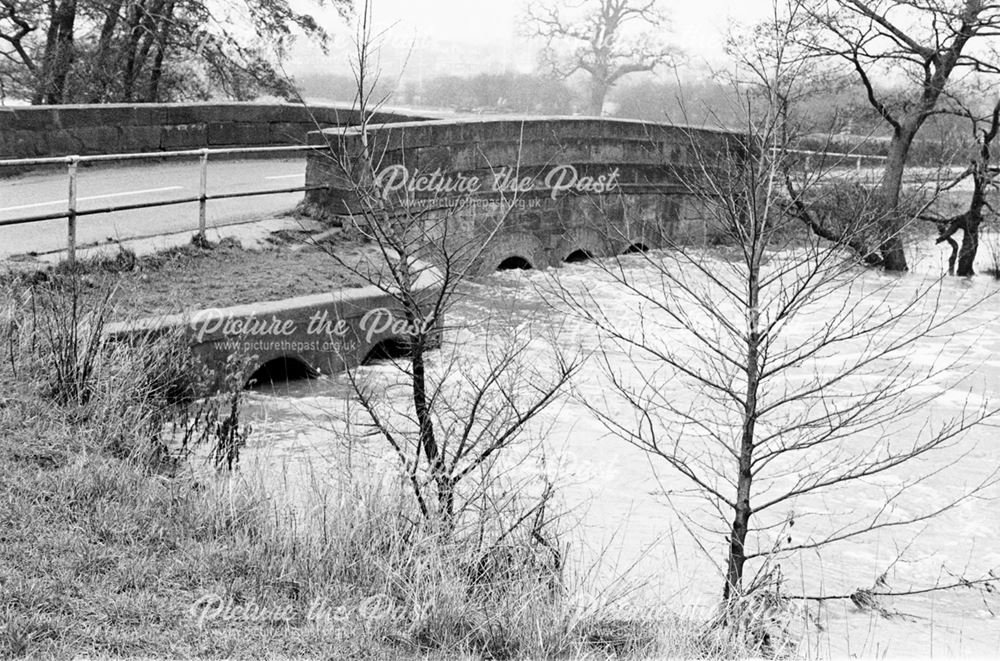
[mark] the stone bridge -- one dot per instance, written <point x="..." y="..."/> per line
<point x="295" y="337"/>
<point x="535" y="191"/>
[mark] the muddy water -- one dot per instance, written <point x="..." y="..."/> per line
<point x="639" y="518"/>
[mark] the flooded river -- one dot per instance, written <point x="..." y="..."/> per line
<point x="634" y="515"/>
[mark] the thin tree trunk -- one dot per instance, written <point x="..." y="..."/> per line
<point x="981" y="178"/>
<point x="149" y="36"/>
<point x="58" y="56"/>
<point x="736" y="557"/>
<point x="132" y="48"/>
<point x="156" y="74"/>
<point x="44" y="76"/>
<point x="974" y="216"/>
<point x="891" y="241"/>
<point x="421" y="406"/>
<point x="103" y="58"/>
<point x="427" y="439"/>
<point x="737" y="538"/>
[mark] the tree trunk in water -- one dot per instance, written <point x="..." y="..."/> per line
<point x="891" y="225"/>
<point x="894" y="254"/>
<point x="974" y="218"/>
<point x="970" y="246"/>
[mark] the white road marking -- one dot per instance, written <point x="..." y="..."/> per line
<point x="287" y="176"/>
<point x="93" y="197"/>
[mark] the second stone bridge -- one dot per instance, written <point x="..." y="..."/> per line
<point x="529" y="192"/>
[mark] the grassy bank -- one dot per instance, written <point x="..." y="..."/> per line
<point x="102" y="558"/>
<point x="213" y="275"/>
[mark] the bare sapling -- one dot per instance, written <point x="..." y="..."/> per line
<point x="771" y="375"/>
<point x="466" y="421"/>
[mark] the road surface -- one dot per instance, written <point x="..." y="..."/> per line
<point x="104" y="185"/>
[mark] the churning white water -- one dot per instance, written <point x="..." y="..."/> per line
<point x="637" y="516"/>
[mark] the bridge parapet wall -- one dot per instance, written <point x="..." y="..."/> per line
<point x="42" y="131"/>
<point x="325" y="333"/>
<point x="540" y="188"/>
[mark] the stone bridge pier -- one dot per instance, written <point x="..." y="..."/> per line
<point x="522" y="193"/>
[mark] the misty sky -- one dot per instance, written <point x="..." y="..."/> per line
<point x="698" y="27"/>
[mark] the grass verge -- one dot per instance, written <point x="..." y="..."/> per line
<point x="210" y="275"/>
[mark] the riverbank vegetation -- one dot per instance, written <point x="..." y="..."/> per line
<point x="130" y="527"/>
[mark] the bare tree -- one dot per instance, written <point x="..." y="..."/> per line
<point x="460" y="417"/>
<point x="607" y="39"/>
<point x="983" y="173"/>
<point x="767" y="373"/>
<point x="925" y="43"/>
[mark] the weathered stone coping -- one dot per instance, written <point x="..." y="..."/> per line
<point x="343" y="347"/>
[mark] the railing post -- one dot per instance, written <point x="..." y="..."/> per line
<point x="73" y="162"/>
<point x="857" y="165"/>
<point x="203" y="194"/>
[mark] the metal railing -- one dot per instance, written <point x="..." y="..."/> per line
<point x="835" y="156"/>
<point x="72" y="213"/>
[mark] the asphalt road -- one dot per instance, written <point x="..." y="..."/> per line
<point x="104" y="185"/>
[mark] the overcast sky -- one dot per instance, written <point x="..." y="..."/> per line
<point x="698" y="27"/>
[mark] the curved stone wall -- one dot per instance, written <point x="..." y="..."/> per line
<point x="40" y="131"/>
<point x="536" y="188"/>
<point x="326" y="333"/>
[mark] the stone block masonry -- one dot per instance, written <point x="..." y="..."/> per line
<point x="43" y="131"/>
<point x="528" y="191"/>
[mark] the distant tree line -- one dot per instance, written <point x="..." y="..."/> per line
<point x="834" y="118"/>
<point x="514" y="92"/>
<point x="485" y="92"/>
<point x="104" y="51"/>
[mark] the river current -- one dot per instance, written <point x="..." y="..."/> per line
<point x="631" y="514"/>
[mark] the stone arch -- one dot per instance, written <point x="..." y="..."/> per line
<point x="394" y="347"/>
<point x="635" y="247"/>
<point x="578" y="256"/>
<point x="583" y="244"/>
<point x="636" y="241"/>
<point x="515" y="263"/>
<point x="510" y="250"/>
<point x="281" y="369"/>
